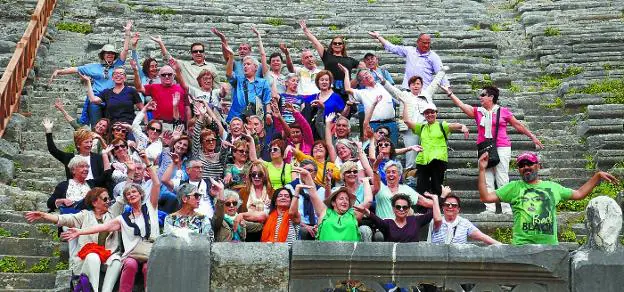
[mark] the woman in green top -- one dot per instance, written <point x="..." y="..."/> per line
<point x="431" y="163"/>
<point x="279" y="170"/>
<point x="338" y="220"/>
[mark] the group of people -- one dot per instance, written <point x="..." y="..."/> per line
<point x="270" y="156"/>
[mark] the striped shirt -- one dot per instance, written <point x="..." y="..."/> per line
<point x="214" y="166"/>
<point x="460" y="232"/>
<point x="293" y="230"/>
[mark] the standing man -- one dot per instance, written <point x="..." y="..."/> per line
<point x="307" y="74"/>
<point x="420" y="60"/>
<point x="384" y="113"/>
<point x="380" y="75"/>
<point x="244" y="50"/>
<point x="190" y="69"/>
<point x="534" y="201"/>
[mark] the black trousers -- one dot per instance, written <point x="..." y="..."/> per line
<point x="430" y="177"/>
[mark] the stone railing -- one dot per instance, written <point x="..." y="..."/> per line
<point x="23" y="59"/>
<point x="198" y="265"/>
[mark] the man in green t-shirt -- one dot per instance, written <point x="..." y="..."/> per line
<point x="534" y="201"/>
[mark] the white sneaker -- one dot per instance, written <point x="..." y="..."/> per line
<point x="490" y="208"/>
<point x="506" y="208"/>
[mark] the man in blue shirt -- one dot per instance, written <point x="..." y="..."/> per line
<point x="250" y="94"/>
<point x="244" y="50"/>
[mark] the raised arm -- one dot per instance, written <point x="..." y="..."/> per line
<point x="484" y="194"/>
<point x="138" y="84"/>
<point x="320" y="49"/>
<point x="293" y="211"/>
<point x="467" y="109"/>
<point x="368" y="197"/>
<point x="369" y="112"/>
<point x="127" y="35"/>
<point x="263" y="56"/>
<point x="58" y="104"/>
<point x="253" y="155"/>
<point x="524" y="130"/>
<point x="588" y="186"/>
<point x="319" y="206"/>
<point x="179" y="77"/>
<point x="163" y="50"/>
<point x="229" y="65"/>
<point x="406" y="117"/>
<point x="61" y="156"/>
<point x="347" y="83"/>
<point x="329" y="123"/>
<point x="378" y="37"/>
<point x="90" y="95"/>
<point x="224" y="44"/>
<point x="368" y="170"/>
<point x="435" y="205"/>
<point x="155" y="190"/>
<point x="166" y="177"/>
<point x="289" y="62"/>
<point x="65" y="71"/>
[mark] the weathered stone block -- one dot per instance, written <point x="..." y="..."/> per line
<point x="184" y="261"/>
<point x="249" y="267"/>
<point x="595" y="270"/>
<point x="8" y="149"/>
<point x="7" y="170"/>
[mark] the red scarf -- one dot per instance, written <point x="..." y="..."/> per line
<point x="268" y="231"/>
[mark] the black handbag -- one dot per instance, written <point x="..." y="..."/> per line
<point x="489" y="145"/>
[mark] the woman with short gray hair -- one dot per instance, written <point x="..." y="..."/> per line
<point x="232" y="227"/>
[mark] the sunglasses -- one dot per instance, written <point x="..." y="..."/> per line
<point x="105" y="199"/>
<point x="337" y="43"/>
<point x="451" y="205"/>
<point x="242" y="151"/>
<point x="275" y="149"/>
<point x="525" y="163"/>
<point x="122" y="146"/>
<point x="196" y="195"/>
<point x="256" y="174"/>
<point x="383" y="144"/>
<point x="383" y="133"/>
<point x="123" y="130"/>
<point x="168" y="75"/>
<point x="197" y="51"/>
<point x="154" y="129"/>
<point x="231" y="204"/>
<point x="353" y="171"/>
<point x="483" y="94"/>
<point x="401" y="207"/>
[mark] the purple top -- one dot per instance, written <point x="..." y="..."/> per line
<point x="425" y="65"/>
<point x="409" y="232"/>
<point x="503" y="139"/>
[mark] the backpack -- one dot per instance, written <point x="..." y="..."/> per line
<point x="80" y="283"/>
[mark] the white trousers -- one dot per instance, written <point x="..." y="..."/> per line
<point x="91" y="268"/>
<point x="410" y="139"/>
<point x="500" y="175"/>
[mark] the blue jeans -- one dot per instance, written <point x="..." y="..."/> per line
<point x="95" y="113"/>
<point x="167" y="201"/>
<point x="394" y="130"/>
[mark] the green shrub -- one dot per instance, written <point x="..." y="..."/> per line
<point x="515" y="88"/>
<point x="437" y="35"/>
<point x="504" y="235"/>
<point x="11" y="265"/>
<point x="395" y="39"/>
<point x="478" y="83"/>
<point x="372" y="1"/>
<point x="333" y="27"/>
<point x="557" y="103"/>
<point x="78" y="27"/>
<point x="70" y="148"/>
<point x="61" y="266"/>
<point x="590" y="164"/>
<point x="275" y="21"/>
<point x="613" y="87"/>
<point x="552" y="81"/>
<point x="160" y="11"/>
<point x="567" y="235"/>
<point x="551" y="31"/>
<point x="603" y="188"/>
<point x="43" y="266"/>
<point x="4" y="232"/>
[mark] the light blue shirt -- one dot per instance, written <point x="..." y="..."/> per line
<point x="259" y="88"/>
<point x="425" y="65"/>
<point x="99" y="80"/>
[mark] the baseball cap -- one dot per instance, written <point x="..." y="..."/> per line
<point x="429" y="106"/>
<point x="528" y="156"/>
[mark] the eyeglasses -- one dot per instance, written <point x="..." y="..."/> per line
<point x="197" y="51"/>
<point x="401" y="207"/>
<point x="352" y="171"/>
<point x="256" y="174"/>
<point x="525" y="163"/>
<point x="242" y="151"/>
<point x="167" y="75"/>
<point x="154" y="129"/>
<point x="337" y="43"/>
<point x="123" y="130"/>
<point x="119" y="74"/>
<point x="275" y="149"/>
<point x="231" y="204"/>
<point x="386" y="144"/>
<point x="120" y="146"/>
<point x="195" y="195"/>
<point x="451" y="205"/>
<point x="105" y="199"/>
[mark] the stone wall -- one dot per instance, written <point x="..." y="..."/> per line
<point x="314" y="266"/>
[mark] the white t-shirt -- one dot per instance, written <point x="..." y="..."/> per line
<point x="211" y="96"/>
<point x="384" y="109"/>
<point x="307" y="86"/>
<point x="205" y="207"/>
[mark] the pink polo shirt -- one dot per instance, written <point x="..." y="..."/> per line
<point x="502" y="140"/>
<point x="164" y="101"/>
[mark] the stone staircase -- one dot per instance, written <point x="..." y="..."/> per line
<point x="531" y="50"/>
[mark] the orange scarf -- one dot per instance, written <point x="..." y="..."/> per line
<point x="268" y="231"/>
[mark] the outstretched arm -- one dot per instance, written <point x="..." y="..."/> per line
<point x="224" y="43"/>
<point x="377" y="35"/>
<point x="163" y="49"/>
<point x="110" y="226"/>
<point x="263" y="56"/>
<point x="347" y="83"/>
<point x="467" y="109"/>
<point x="90" y="95"/>
<point x="457" y="127"/>
<point x="329" y="121"/>
<point x="588" y="186"/>
<point x="315" y="42"/>
<point x="478" y="235"/>
<point x="524" y="130"/>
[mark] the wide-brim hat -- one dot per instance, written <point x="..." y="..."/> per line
<point x="108" y="48"/>
<point x="333" y="195"/>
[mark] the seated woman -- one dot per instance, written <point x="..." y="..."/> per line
<point x="452" y="228"/>
<point x="257" y="191"/>
<point x="233" y="227"/>
<point x="139" y="228"/>
<point x="150" y="142"/>
<point x="320" y="158"/>
<point x="95" y="249"/>
<point x="83" y="141"/>
<point x="187" y="218"/>
<point x="282" y="224"/>
<point x="234" y="172"/>
<point x="101" y="130"/>
<point x="404" y="227"/>
<point x="119" y="148"/>
<point x="338" y="220"/>
<point x="205" y="143"/>
<point x="68" y="195"/>
<point x="279" y="171"/>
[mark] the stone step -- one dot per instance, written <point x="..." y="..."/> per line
<point x="45" y="185"/>
<point x="38" y="263"/>
<point x="28" y="246"/>
<point x="31" y="159"/>
<point x="26" y="230"/>
<point x="27" y="280"/>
